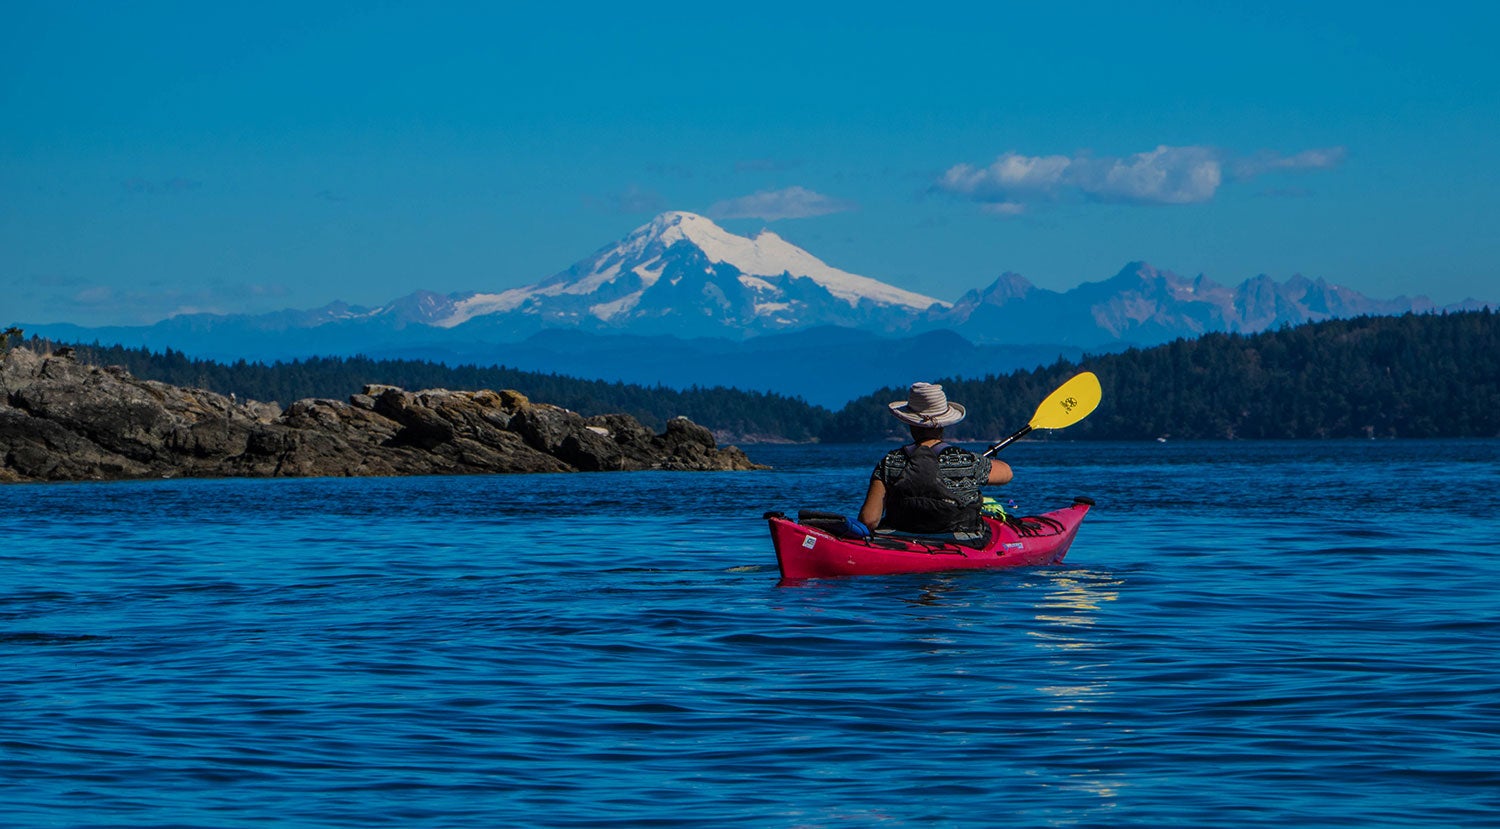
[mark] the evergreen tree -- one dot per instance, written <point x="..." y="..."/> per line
<point x="1416" y="375"/>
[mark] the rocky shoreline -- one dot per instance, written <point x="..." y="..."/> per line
<point x="61" y="420"/>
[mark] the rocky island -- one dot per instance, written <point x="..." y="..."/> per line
<point x="62" y="420"/>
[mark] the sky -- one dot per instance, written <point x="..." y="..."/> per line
<point x="160" y="158"/>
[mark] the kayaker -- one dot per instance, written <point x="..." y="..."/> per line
<point x="929" y="487"/>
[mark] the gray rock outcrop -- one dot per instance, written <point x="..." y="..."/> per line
<point x="61" y="420"/>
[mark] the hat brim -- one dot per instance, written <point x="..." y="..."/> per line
<point x="902" y="410"/>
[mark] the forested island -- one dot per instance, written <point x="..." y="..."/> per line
<point x="737" y="415"/>
<point x="63" y="420"/>
<point x="1412" y="376"/>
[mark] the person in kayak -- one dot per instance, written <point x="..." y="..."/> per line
<point x="929" y="487"/>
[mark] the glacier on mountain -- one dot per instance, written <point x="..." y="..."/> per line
<point x="748" y="278"/>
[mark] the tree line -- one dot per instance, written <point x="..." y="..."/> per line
<point x="1416" y="375"/>
<point x="1412" y="376"/>
<point x="741" y="414"/>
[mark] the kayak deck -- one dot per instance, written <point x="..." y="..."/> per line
<point x="805" y="552"/>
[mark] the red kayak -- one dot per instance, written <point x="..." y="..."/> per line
<point x="819" y="549"/>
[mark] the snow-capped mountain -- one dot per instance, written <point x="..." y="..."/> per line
<point x="684" y="274"/>
<point x="1142" y="305"/>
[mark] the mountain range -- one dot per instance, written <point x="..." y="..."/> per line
<point x="680" y="301"/>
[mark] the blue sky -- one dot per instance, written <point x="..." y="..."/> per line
<point x="166" y="157"/>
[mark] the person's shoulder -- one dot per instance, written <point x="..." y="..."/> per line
<point x="957" y="457"/>
<point x="894" y="458"/>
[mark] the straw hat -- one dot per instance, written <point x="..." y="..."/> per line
<point x="927" y="405"/>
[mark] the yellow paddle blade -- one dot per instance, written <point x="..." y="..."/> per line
<point x="1072" y="402"/>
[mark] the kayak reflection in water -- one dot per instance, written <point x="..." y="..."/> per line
<point x="929" y="487"/>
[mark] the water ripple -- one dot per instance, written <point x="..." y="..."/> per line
<point x="1246" y="635"/>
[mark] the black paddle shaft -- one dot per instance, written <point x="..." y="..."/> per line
<point x="1008" y="441"/>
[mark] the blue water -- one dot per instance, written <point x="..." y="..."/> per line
<point x="1243" y="634"/>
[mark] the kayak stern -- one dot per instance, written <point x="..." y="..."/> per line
<point x="804" y="552"/>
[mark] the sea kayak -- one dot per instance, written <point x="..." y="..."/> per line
<point x="819" y="549"/>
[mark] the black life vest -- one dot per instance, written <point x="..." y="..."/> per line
<point x="918" y="501"/>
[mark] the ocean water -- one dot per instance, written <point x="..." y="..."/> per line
<point x="1244" y="634"/>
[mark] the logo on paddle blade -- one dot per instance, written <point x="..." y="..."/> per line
<point x="1069" y="404"/>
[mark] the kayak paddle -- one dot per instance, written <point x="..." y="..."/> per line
<point x="1070" y="403"/>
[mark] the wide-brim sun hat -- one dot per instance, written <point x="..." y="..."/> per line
<point x="927" y="405"/>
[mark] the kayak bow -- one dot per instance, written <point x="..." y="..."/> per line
<point x="809" y="552"/>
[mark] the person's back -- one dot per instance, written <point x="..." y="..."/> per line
<point x="932" y="489"/>
<point x="929" y="487"/>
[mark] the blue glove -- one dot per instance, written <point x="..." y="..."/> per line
<point x="855" y="529"/>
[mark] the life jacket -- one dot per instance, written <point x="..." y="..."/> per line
<point x="918" y="501"/>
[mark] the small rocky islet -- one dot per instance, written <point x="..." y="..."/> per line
<point x="62" y="420"/>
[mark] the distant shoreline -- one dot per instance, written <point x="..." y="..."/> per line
<point x="62" y="420"/>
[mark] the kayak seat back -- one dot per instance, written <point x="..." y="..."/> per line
<point x="833" y="523"/>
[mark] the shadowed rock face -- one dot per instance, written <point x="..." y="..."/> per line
<point x="64" y="421"/>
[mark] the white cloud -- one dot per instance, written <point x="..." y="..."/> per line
<point x="1165" y="175"/>
<point x="1012" y="174"/>
<point x="95" y="295"/>
<point x="1264" y="162"/>
<point x="790" y="203"/>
